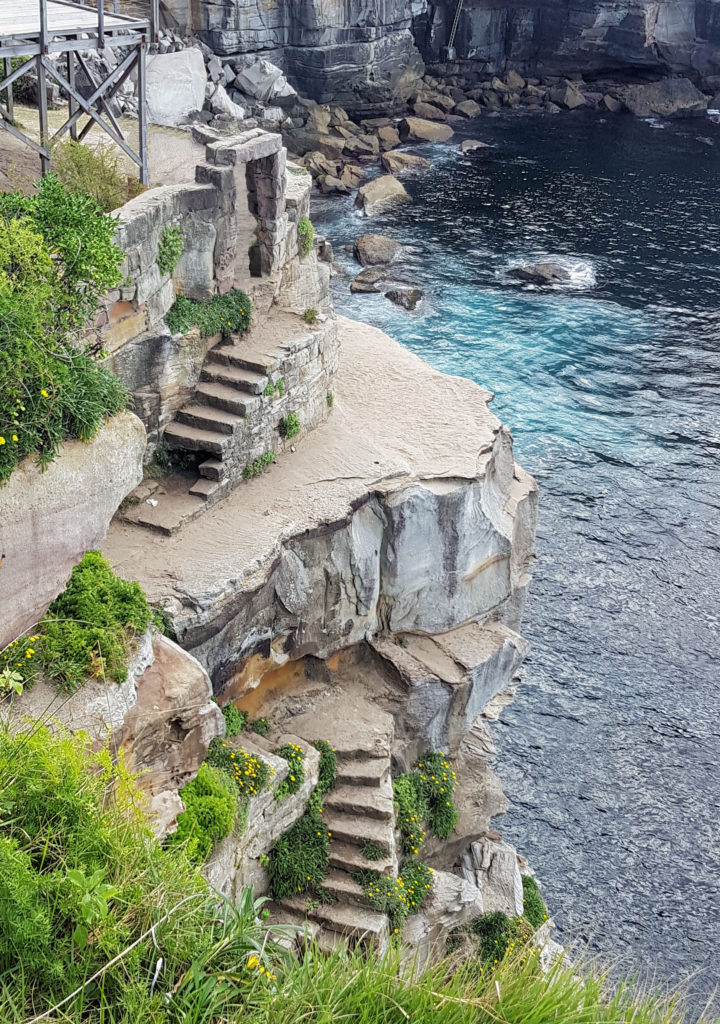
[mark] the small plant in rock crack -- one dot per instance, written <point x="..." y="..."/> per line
<point x="295" y="758"/>
<point x="289" y="426"/>
<point x="306" y="236"/>
<point x="249" y="773"/>
<point x="330" y="399"/>
<point x="170" y="248"/>
<point x="235" y="721"/>
<point x="261" y="726"/>
<point x="258" y="465"/>
<point x="534" y="908"/>
<point x="327" y="769"/>
<point x="371" y="851"/>
<point x="276" y="389"/>
<point x="310" y="316"/>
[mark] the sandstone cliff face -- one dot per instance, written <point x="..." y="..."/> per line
<point x="576" y="36"/>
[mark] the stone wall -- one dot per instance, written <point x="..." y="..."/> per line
<point x="242" y="194"/>
<point x="48" y="520"/>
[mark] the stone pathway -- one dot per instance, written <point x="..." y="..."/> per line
<point x="358" y="810"/>
<point x="230" y="420"/>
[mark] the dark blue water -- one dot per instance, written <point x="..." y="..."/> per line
<point x="610" y="754"/>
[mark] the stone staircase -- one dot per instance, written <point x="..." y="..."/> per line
<point x="248" y="383"/>
<point x="358" y="810"/>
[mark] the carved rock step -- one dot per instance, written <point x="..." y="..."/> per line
<point x="180" y="435"/>
<point x="225" y="396"/>
<point x="204" y="488"/>
<point x="344" y="888"/>
<point x="247" y="359"/>
<point x="349" y="858"/>
<point x="357" y="923"/>
<point x="245" y="380"/>
<point x="212" y="469"/>
<point x="374" y="803"/>
<point x="208" y="418"/>
<point x="370" y="772"/>
<point x="357" y="829"/>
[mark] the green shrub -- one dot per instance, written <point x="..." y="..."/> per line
<point x="371" y="851"/>
<point x="295" y="758"/>
<point x="96" y="171"/>
<point x="275" y="389"/>
<point x="170" y="248"/>
<point x="226" y="314"/>
<point x="248" y="773"/>
<point x="235" y="721"/>
<point x="87" y="630"/>
<point x="57" y="256"/>
<point x="534" y="908"/>
<point x="327" y="769"/>
<point x="439" y="781"/>
<point x="289" y="426"/>
<point x="310" y="316"/>
<point x="300" y="859"/>
<point x="210" y="806"/>
<point x="398" y="897"/>
<point x="258" y="465"/>
<point x="261" y="726"/>
<point x="306" y="236"/>
<point x="411" y="810"/>
<point x="497" y="935"/>
<point x="330" y="399"/>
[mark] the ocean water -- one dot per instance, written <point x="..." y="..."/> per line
<point x="610" y="754"/>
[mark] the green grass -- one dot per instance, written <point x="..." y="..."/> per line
<point x="230" y="313"/>
<point x="534" y="908"/>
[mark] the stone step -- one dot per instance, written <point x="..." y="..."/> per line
<point x="244" y="380"/>
<point x="208" y="418"/>
<point x="212" y="469"/>
<point x="376" y="803"/>
<point x="344" y="888"/>
<point x="204" y="488"/>
<point x="348" y="858"/>
<point x="248" y="359"/>
<point x="225" y="396"/>
<point x="369" y="772"/>
<point x="356" y="829"/>
<point x="180" y="435"/>
<point x="358" y="923"/>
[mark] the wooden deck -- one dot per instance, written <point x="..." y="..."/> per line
<point x="21" y="18"/>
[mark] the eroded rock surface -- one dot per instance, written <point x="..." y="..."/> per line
<point x="49" y="520"/>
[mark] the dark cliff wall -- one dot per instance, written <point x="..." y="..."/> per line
<point x="362" y="52"/>
<point x="587" y="36"/>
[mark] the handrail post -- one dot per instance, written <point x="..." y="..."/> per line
<point x="101" y="23"/>
<point x="42" y="88"/>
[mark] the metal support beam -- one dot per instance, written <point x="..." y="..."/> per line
<point x="42" y="89"/>
<point x="9" y="101"/>
<point x="72" y="106"/>
<point x="142" y="112"/>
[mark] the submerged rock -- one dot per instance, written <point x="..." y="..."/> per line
<point x="540" y="273"/>
<point x="370" y="250"/>
<point x="408" y="298"/>
<point x="475" y="146"/>
<point x="378" y="193"/>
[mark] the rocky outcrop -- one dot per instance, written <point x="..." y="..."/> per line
<point x="371" y="250"/>
<point x="48" y="520"/>
<point x="378" y="193"/>
<point x="452" y="903"/>
<point x="161" y="716"/>
<point x="186" y="70"/>
<point x="670" y="97"/>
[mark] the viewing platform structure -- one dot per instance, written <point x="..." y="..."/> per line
<point x="37" y="29"/>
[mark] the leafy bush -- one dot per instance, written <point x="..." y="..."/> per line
<point x="258" y="465"/>
<point x="96" y="171"/>
<point x="310" y="316"/>
<point x="306" y="236"/>
<point x="398" y="897"/>
<point x="295" y="758"/>
<point x="210" y="806"/>
<point x="498" y="935"/>
<point x="289" y="426"/>
<point x="170" y="248"/>
<point x="261" y="726"/>
<point x="534" y="908"/>
<point x="222" y="314"/>
<point x="235" y="721"/>
<point x="439" y="781"/>
<point x="411" y="811"/>
<point x="249" y="774"/>
<point x="327" y="769"/>
<point x="57" y="256"/>
<point x="300" y="859"/>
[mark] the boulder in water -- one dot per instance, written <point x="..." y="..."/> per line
<point x="367" y="281"/>
<point x="408" y="298"/>
<point x="475" y="146"/>
<point x="395" y="162"/>
<point x="670" y="97"/>
<point x="417" y="129"/>
<point x="378" y="193"/>
<point x="372" y="250"/>
<point x="468" y="108"/>
<point x="544" y="274"/>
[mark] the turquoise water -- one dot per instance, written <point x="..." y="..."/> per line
<point x="610" y="754"/>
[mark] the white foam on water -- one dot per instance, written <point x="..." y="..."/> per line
<point x="582" y="275"/>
